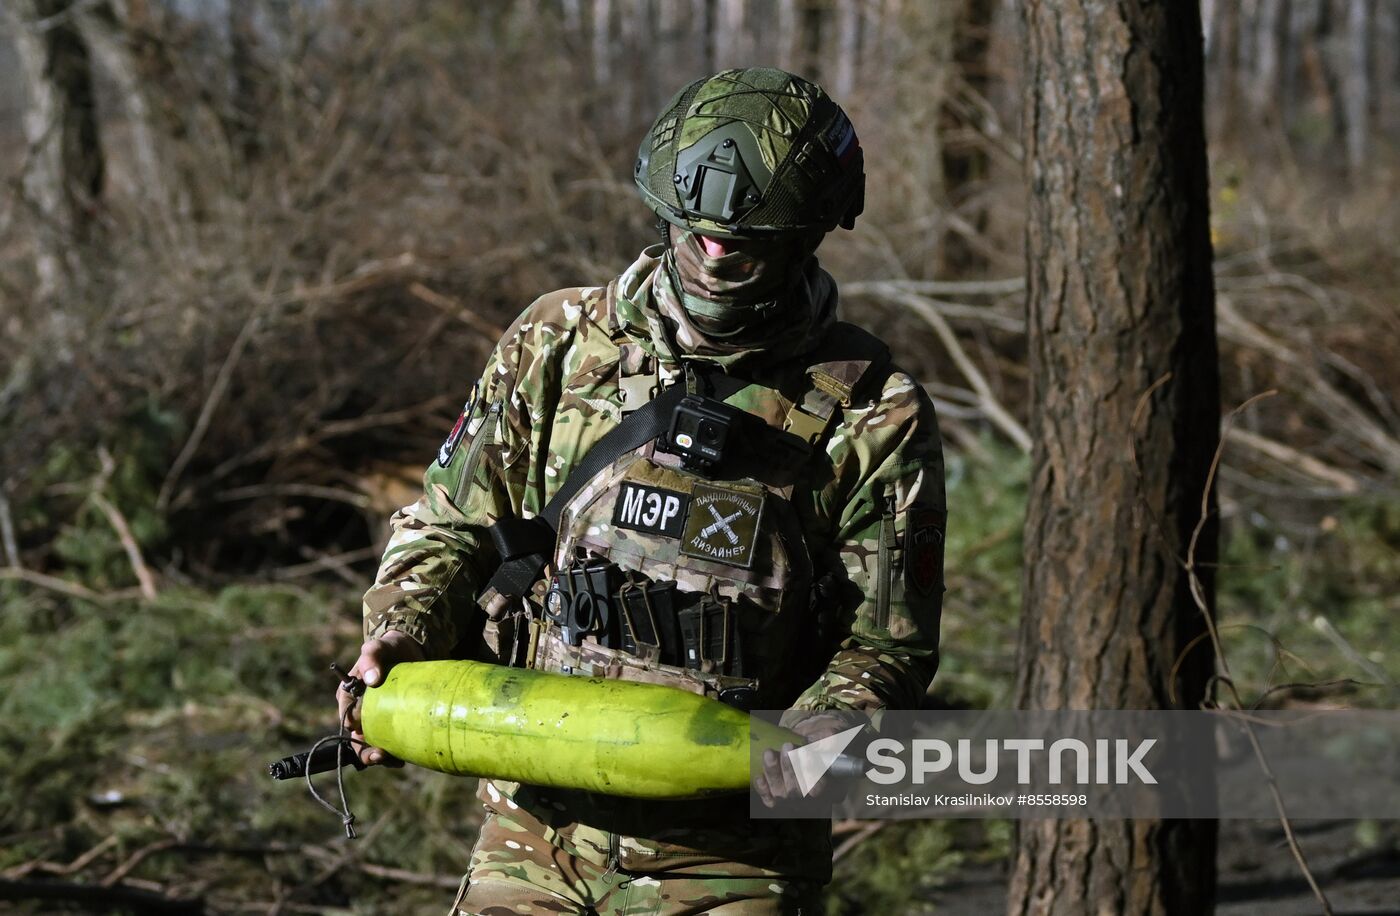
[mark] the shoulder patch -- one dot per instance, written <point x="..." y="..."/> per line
<point x="459" y="429"/>
<point x="924" y="553"/>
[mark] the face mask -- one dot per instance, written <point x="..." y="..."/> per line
<point x="728" y="294"/>
<point x="744" y="332"/>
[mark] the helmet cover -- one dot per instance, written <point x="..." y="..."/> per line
<point x="749" y="153"/>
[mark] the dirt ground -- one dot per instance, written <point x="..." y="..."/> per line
<point x="1258" y="877"/>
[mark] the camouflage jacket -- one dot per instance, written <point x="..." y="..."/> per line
<point x="869" y="499"/>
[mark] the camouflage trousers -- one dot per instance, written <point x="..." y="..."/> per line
<point x="515" y="872"/>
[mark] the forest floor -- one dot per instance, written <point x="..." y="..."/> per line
<point x="139" y="730"/>
<point x="1257" y="875"/>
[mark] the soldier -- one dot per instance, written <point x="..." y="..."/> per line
<point x="765" y="526"/>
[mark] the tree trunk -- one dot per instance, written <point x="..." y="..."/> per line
<point x="845" y="48"/>
<point x="812" y="29"/>
<point x="1387" y="69"/>
<point x="1224" y="65"/>
<point x="702" y="18"/>
<point x="1266" y="84"/>
<point x="1356" y="83"/>
<point x="1119" y="297"/>
<point x="787" y="34"/>
<point x="602" y="43"/>
<point x="1326" y="66"/>
<point x="64" y="170"/>
<point x="964" y="154"/>
<point x="653" y="47"/>
<point x="732" y="46"/>
<point x="922" y="55"/>
<point x="627" y="50"/>
<point x="245" y="76"/>
<point x="107" y="32"/>
<point x="573" y="16"/>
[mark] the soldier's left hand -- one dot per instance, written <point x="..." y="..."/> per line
<point x="377" y="656"/>
<point x="778" y="782"/>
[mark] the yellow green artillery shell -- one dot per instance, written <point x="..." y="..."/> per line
<point x="615" y="737"/>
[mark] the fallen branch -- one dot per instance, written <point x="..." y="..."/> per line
<point x="101" y="896"/>
<point x="1009" y="286"/>
<point x="145" y="580"/>
<point x="281" y="448"/>
<point x="486" y="328"/>
<point x="859" y="836"/>
<point x="332" y="863"/>
<point x="366" y="276"/>
<point x="1300" y="461"/>
<point x="986" y="399"/>
<point x="211" y="403"/>
<point x="1295" y="490"/>
<point x="1334" y="636"/>
<point x="119" y="874"/>
<point x="337" y="563"/>
<point x="118" y="522"/>
<point x="315" y="491"/>
<point x="1354" y="422"/>
<point x="136" y="858"/>
<point x="892" y="290"/>
<point x="410" y="877"/>
<point x="1339" y="685"/>
<point x="1377" y="441"/>
<point x="62" y="586"/>
<point x="61" y="869"/>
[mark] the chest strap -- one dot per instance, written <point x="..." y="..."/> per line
<point x="524" y="544"/>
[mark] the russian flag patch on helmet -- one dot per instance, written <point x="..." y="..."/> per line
<point x="843" y="140"/>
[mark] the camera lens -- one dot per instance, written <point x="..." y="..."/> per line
<point x="709" y="433"/>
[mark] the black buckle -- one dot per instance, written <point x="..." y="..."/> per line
<point x="579" y="602"/>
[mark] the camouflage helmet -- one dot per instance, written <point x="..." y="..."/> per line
<point x="748" y="153"/>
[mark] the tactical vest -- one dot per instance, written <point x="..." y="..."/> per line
<point x="699" y="580"/>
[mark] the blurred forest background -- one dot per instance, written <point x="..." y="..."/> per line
<point x="252" y="253"/>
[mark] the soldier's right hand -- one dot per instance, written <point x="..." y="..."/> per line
<point x="377" y="656"/>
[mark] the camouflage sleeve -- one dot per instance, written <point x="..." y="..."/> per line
<point x="889" y="542"/>
<point x="439" y="554"/>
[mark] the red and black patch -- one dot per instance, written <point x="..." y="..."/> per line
<point x="459" y="429"/>
<point x="924" y="555"/>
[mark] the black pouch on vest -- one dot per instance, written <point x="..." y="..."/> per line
<point x="711" y="635"/>
<point x="648" y="618"/>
